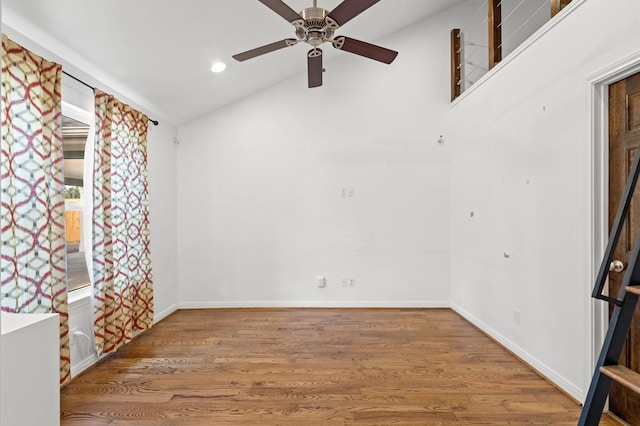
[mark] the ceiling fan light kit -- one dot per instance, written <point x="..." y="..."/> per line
<point x="316" y="26"/>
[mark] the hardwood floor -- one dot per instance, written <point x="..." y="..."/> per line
<point x="313" y="367"/>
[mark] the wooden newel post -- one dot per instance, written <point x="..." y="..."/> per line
<point x="495" y="32"/>
<point x="456" y="69"/>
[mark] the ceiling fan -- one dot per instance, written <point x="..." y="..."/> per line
<point x="316" y="26"/>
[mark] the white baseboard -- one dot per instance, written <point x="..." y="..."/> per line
<point x="533" y="362"/>
<point x="315" y="304"/>
<point x="83" y="365"/>
<point x="159" y="316"/>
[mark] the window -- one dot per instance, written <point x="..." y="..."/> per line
<point x="75" y="131"/>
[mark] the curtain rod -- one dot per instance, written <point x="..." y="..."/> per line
<point x="155" y="122"/>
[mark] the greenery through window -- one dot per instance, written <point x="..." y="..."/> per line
<point x="71" y="193"/>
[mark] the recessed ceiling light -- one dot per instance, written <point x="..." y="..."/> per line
<point x="218" y="67"/>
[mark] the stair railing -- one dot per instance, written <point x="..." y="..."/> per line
<point x="620" y="322"/>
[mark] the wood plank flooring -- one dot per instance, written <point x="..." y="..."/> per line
<point x="313" y="367"/>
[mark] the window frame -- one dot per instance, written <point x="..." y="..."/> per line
<point x="86" y="117"/>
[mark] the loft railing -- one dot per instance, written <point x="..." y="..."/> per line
<point x="482" y="43"/>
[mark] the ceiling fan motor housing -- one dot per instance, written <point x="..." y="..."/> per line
<point x="314" y="29"/>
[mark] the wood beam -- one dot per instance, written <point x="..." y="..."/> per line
<point x="495" y="32"/>
<point x="557" y="6"/>
<point x="456" y="53"/>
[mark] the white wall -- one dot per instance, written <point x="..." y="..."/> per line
<point x="163" y="186"/>
<point x="260" y="208"/>
<point x="522" y="163"/>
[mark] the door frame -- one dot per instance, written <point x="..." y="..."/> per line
<point x="597" y="311"/>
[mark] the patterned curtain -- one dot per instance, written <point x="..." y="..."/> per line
<point x="123" y="296"/>
<point x="32" y="217"/>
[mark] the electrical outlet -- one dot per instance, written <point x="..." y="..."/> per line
<point x="344" y="282"/>
<point x="352" y="282"/>
<point x="321" y="282"/>
<point x="516" y="317"/>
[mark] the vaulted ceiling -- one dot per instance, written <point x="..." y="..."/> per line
<point x="160" y="52"/>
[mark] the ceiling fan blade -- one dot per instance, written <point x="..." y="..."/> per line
<point x="282" y="9"/>
<point x="314" y="67"/>
<point x="347" y="10"/>
<point x="265" y="49"/>
<point x="367" y="50"/>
